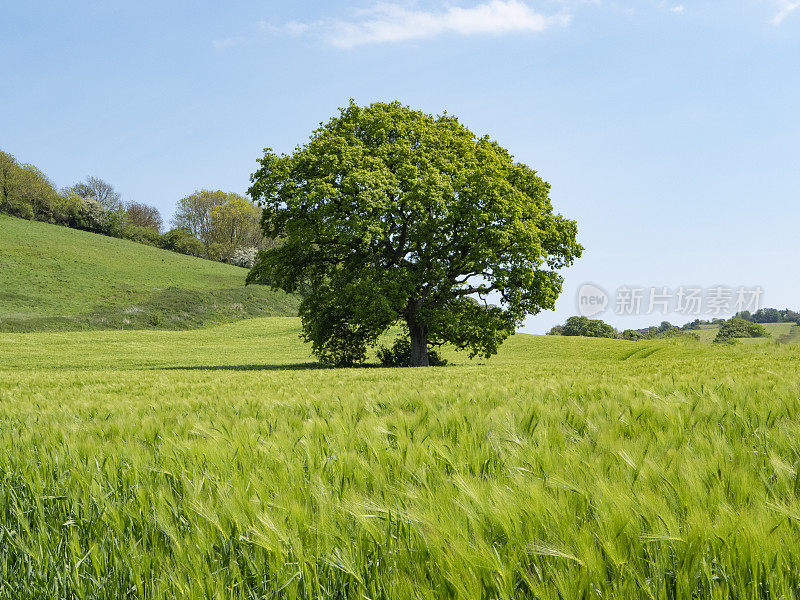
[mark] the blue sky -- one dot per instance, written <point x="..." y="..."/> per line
<point x="669" y="129"/>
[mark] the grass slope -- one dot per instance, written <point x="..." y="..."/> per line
<point x="220" y="463"/>
<point x="778" y="332"/>
<point x="58" y="278"/>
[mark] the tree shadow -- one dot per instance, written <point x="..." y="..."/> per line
<point x="284" y="367"/>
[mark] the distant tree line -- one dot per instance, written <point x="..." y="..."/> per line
<point x="582" y="326"/>
<point x="216" y="225"/>
<point x="738" y="326"/>
<point x="771" y="315"/>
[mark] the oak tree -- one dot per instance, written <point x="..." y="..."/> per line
<point x="389" y="215"/>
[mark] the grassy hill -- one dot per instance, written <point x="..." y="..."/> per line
<point x="782" y="333"/>
<point x="223" y="463"/>
<point x="55" y="278"/>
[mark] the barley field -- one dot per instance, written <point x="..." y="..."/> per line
<point x="222" y="463"/>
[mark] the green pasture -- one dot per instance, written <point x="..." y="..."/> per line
<point x="223" y="463"/>
<point x="778" y="332"/>
<point x="56" y="278"/>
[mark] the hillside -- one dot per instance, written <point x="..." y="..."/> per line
<point x="56" y="278"/>
<point x="778" y="332"/>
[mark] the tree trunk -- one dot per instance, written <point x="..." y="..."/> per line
<point x="419" y="345"/>
<point x="419" y="337"/>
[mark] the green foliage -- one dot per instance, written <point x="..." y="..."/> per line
<point x="222" y="221"/>
<point x="218" y="463"/>
<point x="740" y="328"/>
<point x="582" y="326"/>
<point x="399" y="354"/>
<point x="226" y="224"/>
<point x="59" y="278"/>
<point x="100" y="191"/>
<point x="25" y="191"/>
<point x="632" y="335"/>
<point x="181" y="241"/>
<point x="143" y="235"/>
<point x="143" y="215"/>
<point x="771" y="315"/>
<point x="664" y="331"/>
<point x="391" y="215"/>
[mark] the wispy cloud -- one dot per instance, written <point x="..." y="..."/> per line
<point x="786" y="7"/>
<point x="389" y="22"/>
<point x="223" y="43"/>
<point x="678" y="9"/>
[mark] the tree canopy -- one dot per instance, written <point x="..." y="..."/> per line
<point x="740" y="328"/>
<point x="143" y="215"/>
<point x="392" y="215"/>
<point x="102" y="191"/>
<point x="222" y="221"/>
<point x="582" y="326"/>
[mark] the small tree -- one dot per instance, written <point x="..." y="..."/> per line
<point x="102" y="191"/>
<point x="25" y="191"/>
<point x="222" y="221"/>
<point x="740" y="328"/>
<point x="244" y="257"/>
<point x="389" y="214"/>
<point x="180" y="240"/>
<point x="143" y="215"/>
<point x="582" y="326"/>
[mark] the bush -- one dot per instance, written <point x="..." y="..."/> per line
<point x="143" y="215"/>
<point x="632" y="335"/>
<point x="180" y="240"/>
<point x="25" y="191"/>
<point x="16" y="208"/>
<point x="244" y="257"/>
<point x="142" y="235"/>
<point x="740" y="328"/>
<point x="91" y="216"/>
<point x="399" y="355"/>
<point x="588" y="328"/>
<point x="67" y="209"/>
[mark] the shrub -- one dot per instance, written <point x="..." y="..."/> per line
<point x="588" y="328"/>
<point x="399" y="354"/>
<point x="67" y="209"/>
<point x="142" y="235"/>
<point x="143" y="215"/>
<point x="180" y="240"/>
<point x="91" y="215"/>
<point x="740" y="328"/>
<point x="244" y="257"/>
<point x="25" y="191"/>
<point x="632" y="335"/>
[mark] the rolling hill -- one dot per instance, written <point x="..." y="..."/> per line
<point x="56" y="278"/>
<point x="782" y="333"/>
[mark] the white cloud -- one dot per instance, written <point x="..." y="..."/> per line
<point x="786" y="8"/>
<point x="678" y="9"/>
<point x="292" y="27"/>
<point x="389" y="22"/>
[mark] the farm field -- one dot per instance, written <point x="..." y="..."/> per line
<point x="222" y="463"/>
<point x="778" y="332"/>
<point x="56" y="278"/>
